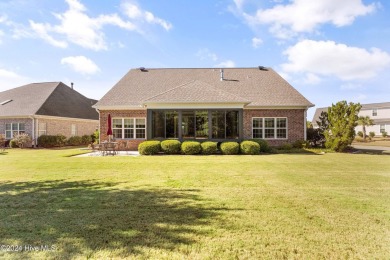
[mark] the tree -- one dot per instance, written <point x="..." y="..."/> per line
<point x="342" y="119"/>
<point x="365" y="121"/>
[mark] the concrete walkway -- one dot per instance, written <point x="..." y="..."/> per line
<point x="372" y="148"/>
<point x="119" y="153"/>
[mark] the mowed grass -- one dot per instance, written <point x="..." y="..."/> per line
<point x="281" y="206"/>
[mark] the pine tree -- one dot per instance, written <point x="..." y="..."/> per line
<point x="342" y="119"/>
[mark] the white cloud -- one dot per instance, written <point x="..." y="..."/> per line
<point x="351" y="86"/>
<point x="206" y="54"/>
<point x="311" y="79"/>
<point x="7" y="74"/>
<point x="256" y="42"/>
<point x="42" y="32"/>
<point x="10" y="79"/>
<point x="225" y="64"/>
<point x="81" y="64"/>
<point x="78" y="28"/>
<point x="300" y="16"/>
<point x="133" y="11"/>
<point x="328" y="58"/>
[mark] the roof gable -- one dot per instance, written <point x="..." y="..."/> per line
<point x="27" y="99"/>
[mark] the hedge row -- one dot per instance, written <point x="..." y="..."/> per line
<point x="250" y="147"/>
<point x="48" y="141"/>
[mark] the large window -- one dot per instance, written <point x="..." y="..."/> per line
<point x="41" y="129"/>
<point x="129" y="128"/>
<point x="73" y="131"/>
<point x="374" y="112"/>
<point x="165" y="124"/>
<point x="195" y="124"/>
<point x="382" y="128"/>
<point x="269" y="128"/>
<point x="13" y="129"/>
<point x="202" y="124"/>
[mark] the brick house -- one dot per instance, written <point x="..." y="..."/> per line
<point x="203" y="104"/>
<point x="48" y="108"/>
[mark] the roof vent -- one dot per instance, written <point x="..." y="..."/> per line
<point x="221" y="74"/>
<point x="263" y="68"/>
<point x="5" y="102"/>
<point x="71" y="85"/>
<point x="143" y="69"/>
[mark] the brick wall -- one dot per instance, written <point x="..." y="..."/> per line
<point x="64" y="126"/>
<point x="295" y="121"/>
<point x="27" y="124"/>
<point x="131" y="144"/>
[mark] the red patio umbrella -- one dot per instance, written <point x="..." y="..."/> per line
<point x="109" y="127"/>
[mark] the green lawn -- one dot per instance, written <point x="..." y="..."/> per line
<point x="292" y="206"/>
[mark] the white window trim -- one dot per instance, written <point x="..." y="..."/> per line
<point x="40" y="130"/>
<point x="13" y="131"/>
<point x="275" y="128"/>
<point x="381" y="130"/>
<point x="134" y="128"/>
<point x="376" y="112"/>
<point x="73" y="127"/>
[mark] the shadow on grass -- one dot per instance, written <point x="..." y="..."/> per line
<point x="82" y="217"/>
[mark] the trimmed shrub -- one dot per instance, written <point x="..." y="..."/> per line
<point x="371" y="134"/>
<point x="286" y="146"/>
<point x="264" y="147"/>
<point x="384" y="134"/>
<point x="60" y="140"/>
<point x="359" y="139"/>
<point x="149" y="147"/>
<point x="86" y="139"/>
<point x="13" y="144"/>
<point x="298" y="144"/>
<point x="360" y="133"/>
<point x="230" y="148"/>
<point x="191" y="147"/>
<point x="23" y="140"/>
<point x="209" y="147"/>
<point x="75" y="140"/>
<point x="249" y="147"/>
<point x="171" y="146"/>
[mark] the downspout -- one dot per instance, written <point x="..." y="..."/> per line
<point x="97" y="110"/>
<point x="304" y="125"/>
<point x="33" y="131"/>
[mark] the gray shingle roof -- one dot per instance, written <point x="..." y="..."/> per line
<point x="375" y="105"/>
<point x="317" y="115"/>
<point x="48" y="98"/>
<point x="263" y="88"/>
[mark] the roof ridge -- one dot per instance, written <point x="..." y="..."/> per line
<point x="43" y="103"/>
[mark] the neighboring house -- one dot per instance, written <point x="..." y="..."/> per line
<point x="203" y="104"/>
<point x="379" y="112"/>
<point x="48" y="108"/>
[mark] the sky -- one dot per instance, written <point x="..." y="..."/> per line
<point x="329" y="50"/>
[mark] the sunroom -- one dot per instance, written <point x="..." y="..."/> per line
<point x="195" y="124"/>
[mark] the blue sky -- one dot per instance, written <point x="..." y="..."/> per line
<point x="330" y="50"/>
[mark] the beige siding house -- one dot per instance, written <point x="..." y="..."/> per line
<point x="48" y="108"/>
<point x="379" y="112"/>
<point x="203" y="104"/>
